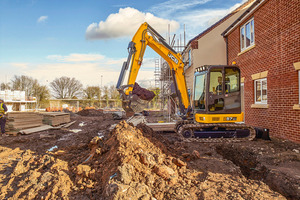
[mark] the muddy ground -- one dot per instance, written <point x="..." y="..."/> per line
<point x="90" y="161"/>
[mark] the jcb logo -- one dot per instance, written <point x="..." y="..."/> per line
<point x="173" y="58"/>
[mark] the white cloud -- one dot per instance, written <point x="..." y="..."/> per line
<point x="42" y="19"/>
<point x="193" y="14"/>
<point x="125" y="23"/>
<point x="198" y="21"/>
<point x="75" y="57"/>
<point x="172" y="7"/>
<point x="21" y="66"/>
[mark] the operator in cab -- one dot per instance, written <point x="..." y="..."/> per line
<point x="219" y="87"/>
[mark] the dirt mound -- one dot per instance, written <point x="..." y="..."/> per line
<point x="90" y="112"/>
<point x="142" y="92"/>
<point x="95" y="113"/>
<point x="34" y="176"/>
<point x="130" y="165"/>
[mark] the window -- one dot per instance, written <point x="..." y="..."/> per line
<point x="260" y="91"/>
<point x="190" y="57"/>
<point x="216" y="88"/>
<point x="232" y="84"/>
<point x="216" y="80"/>
<point x="297" y="68"/>
<point x="247" y="35"/>
<point x="199" y="93"/>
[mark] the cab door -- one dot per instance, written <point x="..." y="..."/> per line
<point x="224" y="90"/>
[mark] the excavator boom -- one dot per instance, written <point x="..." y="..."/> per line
<point x="147" y="36"/>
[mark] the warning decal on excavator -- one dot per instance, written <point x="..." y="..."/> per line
<point x="173" y="58"/>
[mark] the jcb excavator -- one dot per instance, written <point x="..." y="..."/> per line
<point x="216" y="112"/>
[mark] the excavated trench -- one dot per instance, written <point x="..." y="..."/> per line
<point x="256" y="166"/>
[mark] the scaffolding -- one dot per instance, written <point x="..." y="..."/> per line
<point x="168" y="100"/>
<point x="157" y="73"/>
<point x="164" y="81"/>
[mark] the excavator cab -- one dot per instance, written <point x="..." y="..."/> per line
<point x="217" y="97"/>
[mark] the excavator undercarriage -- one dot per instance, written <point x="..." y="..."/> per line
<point x="189" y="131"/>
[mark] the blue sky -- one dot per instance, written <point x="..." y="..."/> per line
<point x="87" y="39"/>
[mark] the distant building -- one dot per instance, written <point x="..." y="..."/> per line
<point x="17" y="100"/>
<point x="265" y="43"/>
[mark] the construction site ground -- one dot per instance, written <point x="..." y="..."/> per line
<point x="90" y="161"/>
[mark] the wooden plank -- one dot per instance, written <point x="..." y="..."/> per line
<point x="63" y="125"/>
<point x="34" y="130"/>
<point x="69" y="124"/>
<point x="55" y="119"/>
<point x="162" y="126"/>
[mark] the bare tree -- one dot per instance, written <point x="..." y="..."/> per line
<point x="92" y="92"/>
<point x="113" y="92"/>
<point x="31" y="87"/>
<point x="115" y="95"/>
<point x="66" y="87"/>
<point x="42" y="95"/>
<point x="5" y="86"/>
<point x="24" y="83"/>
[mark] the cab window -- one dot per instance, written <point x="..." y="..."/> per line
<point x="199" y="92"/>
<point x="232" y="84"/>
<point x="216" y="79"/>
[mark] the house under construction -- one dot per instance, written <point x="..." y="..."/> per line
<point x="164" y="81"/>
<point x="17" y="100"/>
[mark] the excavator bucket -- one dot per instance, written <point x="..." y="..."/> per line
<point x="137" y="100"/>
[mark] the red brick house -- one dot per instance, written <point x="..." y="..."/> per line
<point x="265" y="43"/>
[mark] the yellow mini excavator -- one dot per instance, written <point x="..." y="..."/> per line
<point x="215" y="112"/>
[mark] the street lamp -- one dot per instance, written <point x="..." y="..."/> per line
<point x="100" y="94"/>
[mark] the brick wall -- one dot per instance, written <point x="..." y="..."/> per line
<point x="277" y="47"/>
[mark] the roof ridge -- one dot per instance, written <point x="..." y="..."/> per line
<point x="221" y="20"/>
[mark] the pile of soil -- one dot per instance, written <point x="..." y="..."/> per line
<point x="142" y="93"/>
<point x="133" y="163"/>
<point x="90" y="112"/>
<point x="27" y="175"/>
<point x="94" y="113"/>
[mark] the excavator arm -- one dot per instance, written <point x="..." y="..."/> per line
<point x="147" y="36"/>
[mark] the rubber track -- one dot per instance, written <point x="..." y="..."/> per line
<point x="190" y="125"/>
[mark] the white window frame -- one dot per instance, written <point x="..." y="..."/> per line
<point x="255" y="99"/>
<point x="190" y="57"/>
<point x="252" y="32"/>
